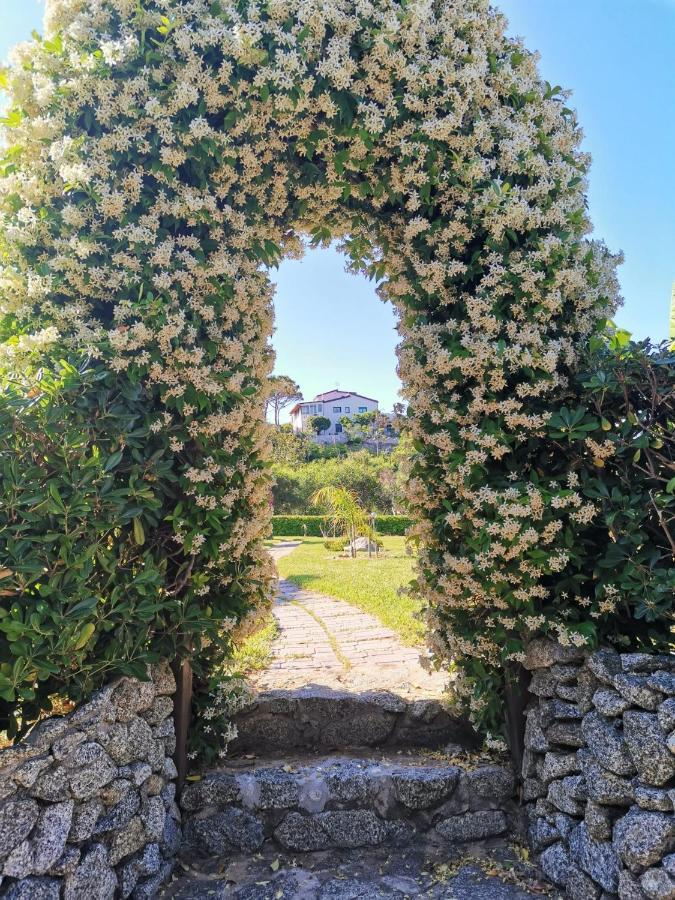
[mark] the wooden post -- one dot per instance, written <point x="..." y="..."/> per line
<point x="516" y="694"/>
<point x="182" y="707"/>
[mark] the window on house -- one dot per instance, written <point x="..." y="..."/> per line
<point x="337" y="409"/>
<point x="338" y="428"/>
<point x="348" y="409"/>
<point x="319" y="407"/>
<point x="363" y="409"/>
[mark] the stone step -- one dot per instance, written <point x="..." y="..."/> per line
<point x="340" y="802"/>
<point x="491" y="871"/>
<point x="320" y="718"/>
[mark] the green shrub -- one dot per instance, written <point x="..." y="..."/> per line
<point x="91" y="582"/>
<point x="375" y="479"/>
<point x="609" y="458"/>
<point x="393" y="525"/>
<point x="291" y="526"/>
<point x="618" y="437"/>
<point x="79" y="587"/>
<point x="336" y="545"/>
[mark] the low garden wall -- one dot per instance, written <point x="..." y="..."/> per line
<point x="295" y="526"/>
<point x="343" y="803"/>
<point x="599" y="771"/>
<point x="87" y="801"/>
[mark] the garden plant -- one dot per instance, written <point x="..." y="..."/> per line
<point x="160" y="157"/>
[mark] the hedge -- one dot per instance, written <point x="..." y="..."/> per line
<point x="291" y="526"/>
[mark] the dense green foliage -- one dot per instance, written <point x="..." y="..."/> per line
<point x="392" y="525"/>
<point x="161" y="156"/>
<point x="293" y="448"/>
<point x="615" y="434"/>
<point x="318" y="424"/>
<point x="297" y="526"/>
<point x="89" y="579"/>
<point x="376" y="480"/>
<point x="292" y="526"/>
<point x="618" y="432"/>
<point x="336" y="545"/>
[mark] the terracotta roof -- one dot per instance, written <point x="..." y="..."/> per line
<point x="338" y="395"/>
<point x="328" y="397"/>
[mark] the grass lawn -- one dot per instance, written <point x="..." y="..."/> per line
<point x="370" y="584"/>
<point x="253" y="653"/>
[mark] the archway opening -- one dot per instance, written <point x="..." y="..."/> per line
<point x="188" y="152"/>
<point x="337" y="421"/>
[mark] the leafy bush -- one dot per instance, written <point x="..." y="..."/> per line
<point x="291" y="526"/>
<point x="375" y="479"/>
<point x="336" y="545"/>
<point x="395" y="525"/>
<point x="79" y="586"/>
<point x="609" y="458"/>
<point x="92" y="582"/>
<point x="318" y="424"/>
<point x="619" y="441"/>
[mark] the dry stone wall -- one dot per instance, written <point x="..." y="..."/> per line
<point x="330" y="803"/>
<point x="319" y="718"/>
<point x="87" y="801"/>
<point x="599" y="771"/>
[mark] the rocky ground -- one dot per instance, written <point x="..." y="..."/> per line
<point x="500" y="872"/>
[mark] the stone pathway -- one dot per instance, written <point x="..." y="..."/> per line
<point x="285" y="821"/>
<point x="283" y="548"/>
<point x="330" y="643"/>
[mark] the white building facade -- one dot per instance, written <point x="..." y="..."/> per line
<point x="332" y="405"/>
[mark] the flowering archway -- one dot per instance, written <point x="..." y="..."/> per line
<point x="164" y="153"/>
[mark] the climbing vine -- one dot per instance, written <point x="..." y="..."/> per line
<point x="161" y="155"/>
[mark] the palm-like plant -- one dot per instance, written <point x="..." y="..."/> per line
<point x="344" y="511"/>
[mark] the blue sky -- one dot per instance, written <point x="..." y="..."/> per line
<point x="617" y="57"/>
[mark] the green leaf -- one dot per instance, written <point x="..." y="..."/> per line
<point x="113" y="460"/>
<point x="84" y="636"/>
<point x="139" y="533"/>
<point x="55" y="494"/>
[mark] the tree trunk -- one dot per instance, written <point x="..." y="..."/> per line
<point x="182" y="708"/>
<point x="516" y="694"/>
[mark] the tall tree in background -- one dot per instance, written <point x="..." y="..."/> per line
<point x="283" y="392"/>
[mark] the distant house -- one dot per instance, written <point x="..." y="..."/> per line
<point x="332" y="405"/>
